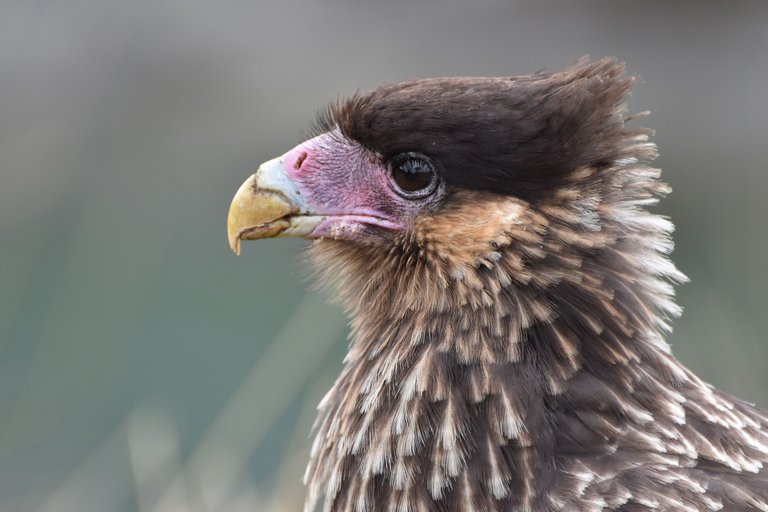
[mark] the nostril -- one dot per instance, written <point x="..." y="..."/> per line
<point x="300" y="160"/>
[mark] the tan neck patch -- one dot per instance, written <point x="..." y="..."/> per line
<point x="475" y="228"/>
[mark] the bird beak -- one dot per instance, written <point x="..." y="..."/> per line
<point x="267" y="205"/>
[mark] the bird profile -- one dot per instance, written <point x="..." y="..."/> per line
<point x="509" y="295"/>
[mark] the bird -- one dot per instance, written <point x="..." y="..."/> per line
<point x="509" y="293"/>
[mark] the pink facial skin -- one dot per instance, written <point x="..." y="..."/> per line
<point x="350" y="184"/>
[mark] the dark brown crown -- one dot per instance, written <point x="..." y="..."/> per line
<point x="516" y="135"/>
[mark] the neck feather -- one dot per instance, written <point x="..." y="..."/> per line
<point x="458" y="364"/>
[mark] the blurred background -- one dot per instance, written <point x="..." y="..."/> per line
<point x="145" y="368"/>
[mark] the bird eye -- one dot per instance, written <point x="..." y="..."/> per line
<point x="413" y="175"/>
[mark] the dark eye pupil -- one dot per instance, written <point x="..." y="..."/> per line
<point x="414" y="175"/>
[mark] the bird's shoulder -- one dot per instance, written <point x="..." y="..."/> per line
<point x="708" y="452"/>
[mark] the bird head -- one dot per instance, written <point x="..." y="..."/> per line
<point x="438" y="180"/>
<point x="467" y="158"/>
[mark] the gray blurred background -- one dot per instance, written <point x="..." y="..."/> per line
<point x="145" y="368"/>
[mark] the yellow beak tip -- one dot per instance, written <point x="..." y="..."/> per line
<point x="234" y="244"/>
<point x="256" y="213"/>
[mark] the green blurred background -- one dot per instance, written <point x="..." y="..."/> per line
<point x="143" y="367"/>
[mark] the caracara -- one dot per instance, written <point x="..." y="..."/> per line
<point x="509" y="295"/>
